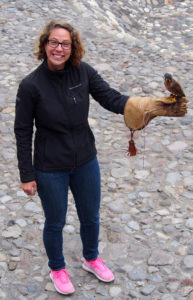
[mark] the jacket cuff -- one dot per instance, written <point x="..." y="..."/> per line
<point x="126" y="98"/>
<point x="27" y="177"/>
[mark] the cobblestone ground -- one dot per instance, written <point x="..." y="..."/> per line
<point x="146" y="212"/>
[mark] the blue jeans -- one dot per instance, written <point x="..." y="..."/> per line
<point x="84" y="182"/>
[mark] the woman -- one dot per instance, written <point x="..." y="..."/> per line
<point x="56" y="97"/>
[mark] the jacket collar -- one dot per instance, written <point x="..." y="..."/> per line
<point x="58" y="73"/>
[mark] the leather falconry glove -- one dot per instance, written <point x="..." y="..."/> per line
<point x="139" y="111"/>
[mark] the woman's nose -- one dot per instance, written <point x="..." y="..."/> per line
<point x="59" y="47"/>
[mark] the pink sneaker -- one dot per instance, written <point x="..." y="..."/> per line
<point x="61" y="282"/>
<point x="98" y="268"/>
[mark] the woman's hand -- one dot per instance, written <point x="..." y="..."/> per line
<point x="139" y="111"/>
<point x="30" y="188"/>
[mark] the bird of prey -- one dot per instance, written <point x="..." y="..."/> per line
<point x="173" y="87"/>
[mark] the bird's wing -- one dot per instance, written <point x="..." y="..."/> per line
<point x="176" y="86"/>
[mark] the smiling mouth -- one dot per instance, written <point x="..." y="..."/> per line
<point x="58" y="56"/>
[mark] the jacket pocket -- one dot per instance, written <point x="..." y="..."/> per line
<point x="78" y="96"/>
<point x="78" y="93"/>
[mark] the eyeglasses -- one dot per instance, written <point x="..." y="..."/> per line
<point x="55" y="44"/>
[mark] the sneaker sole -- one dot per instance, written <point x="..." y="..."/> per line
<point x="68" y="293"/>
<point x="93" y="272"/>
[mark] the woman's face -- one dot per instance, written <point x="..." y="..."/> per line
<point x="58" y="54"/>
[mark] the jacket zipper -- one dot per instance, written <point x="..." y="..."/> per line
<point x="73" y="87"/>
<point x="75" y="153"/>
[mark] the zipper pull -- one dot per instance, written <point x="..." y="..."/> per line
<point x="74" y="99"/>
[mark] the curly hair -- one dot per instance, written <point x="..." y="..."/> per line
<point x="78" y="50"/>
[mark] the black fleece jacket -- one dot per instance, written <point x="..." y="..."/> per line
<point x="58" y="101"/>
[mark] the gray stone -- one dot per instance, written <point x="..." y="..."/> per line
<point x="114" y="291"/>
<point x="21" y="222"/>
<point x="2" y="294"/>
<point x="165" y="202"/>
<point x="101" y="291"/>
<point x="153" y="85"/>
<point x="167" y="297"/>
<point x="169" y="229"/>
<point x="188" y="181"/>
<point x="45" y="269"/>
<point x="186" y="120"/>
<point x="69" y="229"/>
<point x="190" y="250"/>
<point x="49" y="287"/>
<point x="133" y="294"/>
<point x="190" y="296"/>
<point x="23" y="290"/>
<point x="177" y="146"/>
<point x="5" y="199"/>
<point x="173" y="177"/>
<point x="42" y="297"/>
<point x="137" y="273"/>
<point x="141" y="174"/>
<point x="12" y="265"/>
<point x="87" y="296"/>
<point x="133" y="225"/>
<point x="6" y="245"/>
<point x="116" y="206"/>
<point x="145" y="298"/>
<point x="14" y="252"/>
<point x="13" y="231"/>
<point x="148" y="290"/>
<point x="144" y="195"/>
<point x="18" y="242"/>
<point x="163" y="212"/>
<point x="160" y="258"/>
<point x="189" y="224"/>
<point x="31" y="206"/>
<point x="188" y="195"/>
<point x="31" y="288"/>
<point x="11" y="222"/>
<point x="2" y="257"/>
<point x="120" y="172"/>
<point x="157" y="148"/>
<point x="155" y="278"/>
<point x="188" y="261"/>
<point x="132" y="196"/>
<point x="3" y="265"/>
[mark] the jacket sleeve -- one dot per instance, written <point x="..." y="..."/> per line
<point x="108" y="97"/>
<point x="23" y="128"/>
